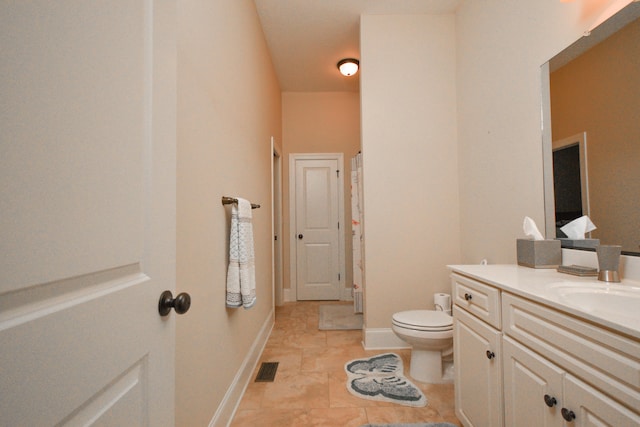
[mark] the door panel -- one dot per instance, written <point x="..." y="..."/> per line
<point x="595" y="409"/>
<point x="317" y="216"/>
<point x="528" y="378"/>
<point x="87" y="135"/>
<point x="479" y="395"/>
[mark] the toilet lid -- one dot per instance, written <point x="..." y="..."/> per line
<point x="424" y="319"/>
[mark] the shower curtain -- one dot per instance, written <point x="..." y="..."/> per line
<point x="357" y="215"/>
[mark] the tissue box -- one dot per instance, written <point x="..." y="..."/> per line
<point x="539" y="253"/>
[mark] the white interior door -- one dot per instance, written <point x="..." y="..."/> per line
<point x="87" y="202"/>
<point x="317" y="216"/>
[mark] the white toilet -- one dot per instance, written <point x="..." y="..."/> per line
<point x="430" y="334"/>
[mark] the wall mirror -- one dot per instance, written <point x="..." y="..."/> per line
<point x="591" y="106"/>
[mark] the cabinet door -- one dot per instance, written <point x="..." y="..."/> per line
<point x="478" y="373"/>
<point x="592" y="408"/>
<point x="532" y="388"/>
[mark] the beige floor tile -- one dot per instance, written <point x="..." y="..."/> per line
<point x="344" y="339"/>
<point x="252" y="398"/>
<point x="310" y="385"/>
<point x="291" y="324"/>
<point x="297" y="339"/>
<point x="442" y="397"/>
<point x="338" y="417"/>
<point x="303" y="391"/>
<point x="403" y="414"/>
<point x="269" y="417"/>
<point x="329" y="359"/>
<point x="289" y="359"/>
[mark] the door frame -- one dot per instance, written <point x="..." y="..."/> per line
<point x="293" y="157"/>
<point x="276" y="223"/>
<point x="580" y="140"/>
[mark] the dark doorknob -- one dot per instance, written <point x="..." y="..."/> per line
<point x="180" y="303"/>
<point x="300" y="236"/>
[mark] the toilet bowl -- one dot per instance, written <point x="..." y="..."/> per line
<point x="430" y="334"/>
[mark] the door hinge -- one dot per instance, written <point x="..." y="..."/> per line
<point x="338" y="225"/>
<point x="338" y="277"/>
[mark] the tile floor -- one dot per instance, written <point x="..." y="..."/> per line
<point x="310" y="383"/>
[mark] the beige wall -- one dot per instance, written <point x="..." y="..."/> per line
<point x="410" y="161"/>
<point x="500" y="48"/>
<point x="429" y="200"/>
<point x="226" y="116"/>
<point x="598" y="93"/>
<point x="320" y="122"/>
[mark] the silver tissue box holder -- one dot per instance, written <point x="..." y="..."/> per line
<point x="539" y="253"/>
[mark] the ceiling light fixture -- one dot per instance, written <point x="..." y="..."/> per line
<point x="348" y="66"/>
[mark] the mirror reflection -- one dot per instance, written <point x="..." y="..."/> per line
<point x="595" y="131"/>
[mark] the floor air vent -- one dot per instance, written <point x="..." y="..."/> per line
<point x="267" y="372"/>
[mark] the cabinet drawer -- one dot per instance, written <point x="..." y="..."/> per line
<point x="481" y="300"/>
<point x="606" y="360"/>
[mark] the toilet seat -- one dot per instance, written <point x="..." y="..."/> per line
<point x="423" y="320"/>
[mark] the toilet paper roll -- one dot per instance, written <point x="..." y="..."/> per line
<point x="442" y="302"/>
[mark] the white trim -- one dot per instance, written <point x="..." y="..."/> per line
<point x="347" y="294"/>
<point x="339" y="157"/>
<point x="276" y="223"/>
<point x="231" y="400"/>
<point x="382" y="339"/>
<point x="547" y="154"/>
<point x="293" y="282"/>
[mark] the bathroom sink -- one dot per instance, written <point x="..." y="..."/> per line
<point x="599" y="298"/>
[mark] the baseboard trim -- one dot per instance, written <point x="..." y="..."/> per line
<point x="227" y="409"/>
<point x="382" y="339"/>
<point x="290" y="296"/>
<point x="347" y="294"/>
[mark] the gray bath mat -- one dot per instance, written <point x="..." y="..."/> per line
<point x="381" y="378"/>
<point x="411" y="425"/>
<point x="338" y="317"/>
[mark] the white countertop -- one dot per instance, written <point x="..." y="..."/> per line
<point x="536" y="284"/>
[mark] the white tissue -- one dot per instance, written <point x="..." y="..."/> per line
<point x="577" y="228"/>
<point x="531" y="230"/>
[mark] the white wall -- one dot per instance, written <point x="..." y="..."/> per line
<point x="226" y="116"/>
<point x="408" y="108"/>
<point x="500" y="48"/>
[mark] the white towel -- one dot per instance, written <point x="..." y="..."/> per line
<point x="241" y="275"/>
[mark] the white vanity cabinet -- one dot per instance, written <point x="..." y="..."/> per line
<point x="477" y="353"/>
<point x="548" y="367"/>
<point x="560" y="370"/>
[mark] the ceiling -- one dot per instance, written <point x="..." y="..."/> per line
<point x="307" y="38"/>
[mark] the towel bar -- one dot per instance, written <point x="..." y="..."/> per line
<point x="230" y="200"/>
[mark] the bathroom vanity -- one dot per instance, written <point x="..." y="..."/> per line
<point x="534" y="347"/>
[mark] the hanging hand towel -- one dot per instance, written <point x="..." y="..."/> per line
<point x="241" y="275"/>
